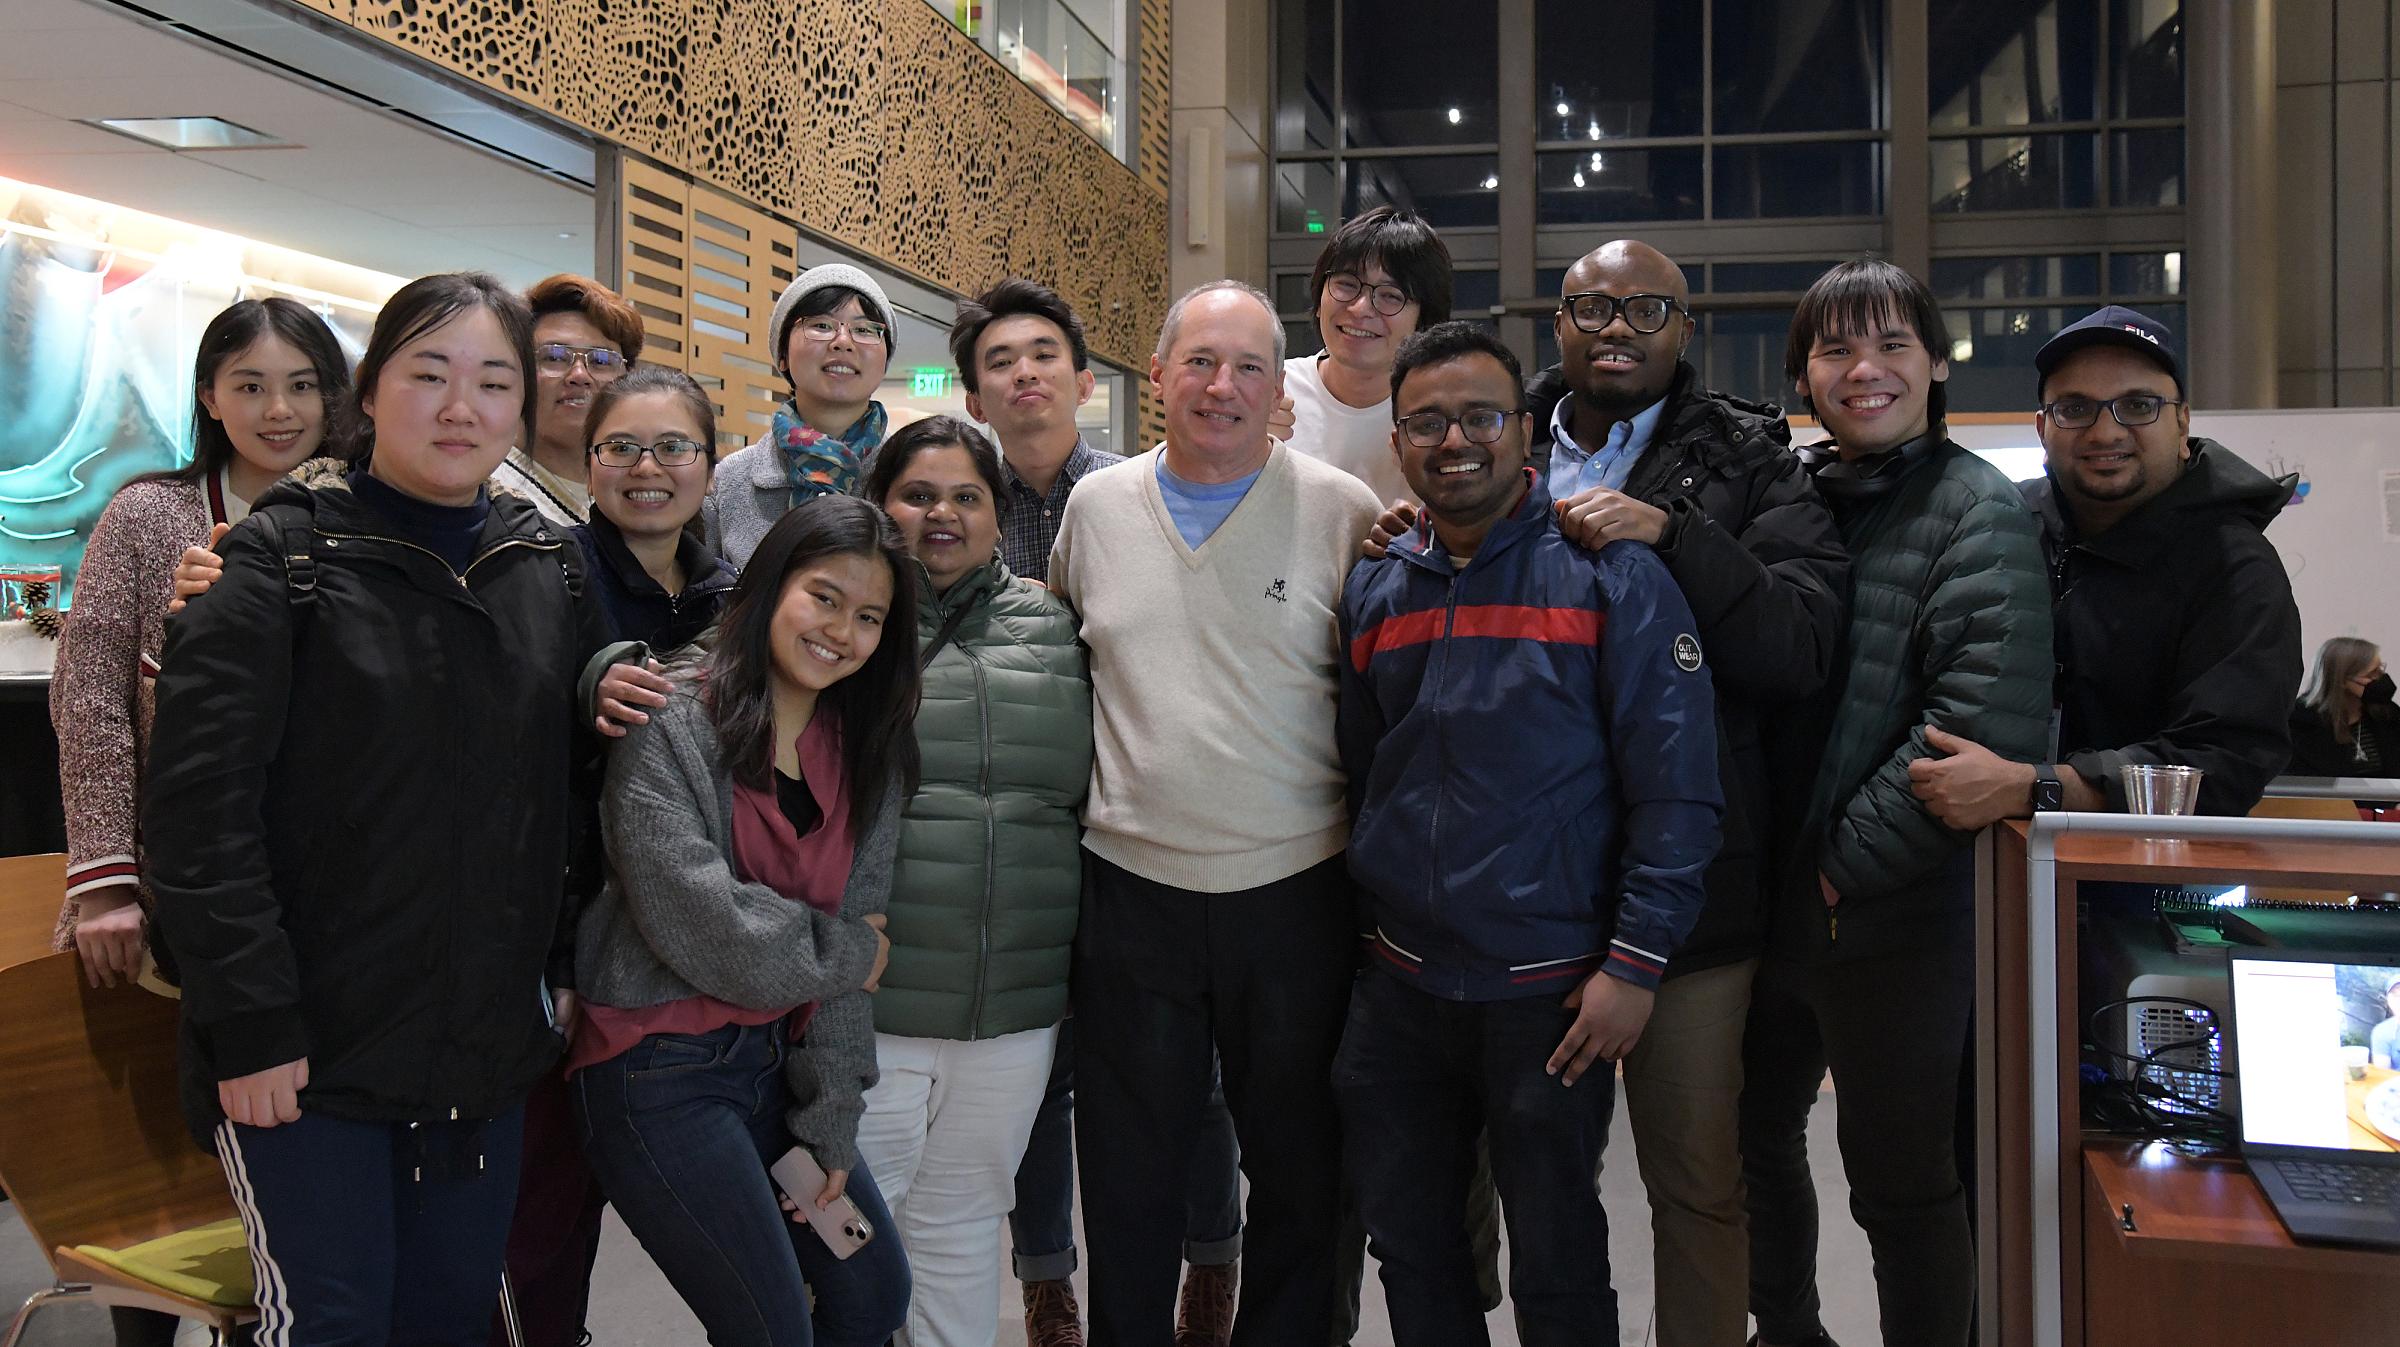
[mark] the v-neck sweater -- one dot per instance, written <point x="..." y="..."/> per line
<point x="1214" y="671"/>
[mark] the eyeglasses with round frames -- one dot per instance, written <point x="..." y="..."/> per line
<point x="1593" y="311"/>
<point x="558" y="358"/>
<point x="1387" y="300"/>
<point x="864" y="331"/>
<point x="675" y="451"/>
<point x="1427" y="430"/>
<point x="2131" y="409"/>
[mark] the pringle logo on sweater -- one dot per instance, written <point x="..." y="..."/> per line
<point x="1275" y="591"/>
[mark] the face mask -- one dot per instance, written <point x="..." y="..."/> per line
<point x="2378" y="691"/>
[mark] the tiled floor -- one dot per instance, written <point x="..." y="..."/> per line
<point x="632" y="1306"/>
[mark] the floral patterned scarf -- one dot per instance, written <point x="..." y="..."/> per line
<point x="821" y="464"/>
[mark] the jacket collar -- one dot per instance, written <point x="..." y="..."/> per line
<point x="1422" y="547"/>
<point x="968" y="590"/>
<point x="703" y="571"/>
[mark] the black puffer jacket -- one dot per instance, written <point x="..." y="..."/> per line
<point x="2176" y="636"/>
<point x="1759" y="559"/>
<point x="357" y="813"/>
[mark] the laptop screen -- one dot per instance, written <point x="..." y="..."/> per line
<point x="2318" y="1047"/>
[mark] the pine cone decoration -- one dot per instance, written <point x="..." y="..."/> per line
<point x="39" y="615"/>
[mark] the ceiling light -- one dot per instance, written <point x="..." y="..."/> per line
<point x="1563" y="109"/>
<point x="1491" y="182"/>
<point x="190" y="133"/>
<point x="1579" y="177"/>
<point x="1593" y="130"/>
<point x="1597" y="163"/>
<point x="1454" y="116"/>
<point x="566" y="233"/>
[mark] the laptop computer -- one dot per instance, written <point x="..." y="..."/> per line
<point x="2317" y="1043"/>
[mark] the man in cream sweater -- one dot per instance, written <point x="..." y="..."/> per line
<point x="1216" y="911"/>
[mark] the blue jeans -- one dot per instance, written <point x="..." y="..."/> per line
<point x="374" y="1232"/>
<point x="681" y="1129"/>
<point x="1418" y="1078"/>
<point x="1042" y="1227"/>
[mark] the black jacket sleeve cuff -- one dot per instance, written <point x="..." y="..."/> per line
<point x="248" y="1043"/>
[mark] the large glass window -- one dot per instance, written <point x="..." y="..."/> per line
<point x="1779" y="66"/>
<point x="1413" y="74"/>
<point x="1693" y="123"/>
<point x="1628" y="68"/>
<point x="1072" y="53"/>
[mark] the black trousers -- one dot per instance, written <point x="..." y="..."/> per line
<point x="1163" y="975"/>
<point x="1892" y="1026"/>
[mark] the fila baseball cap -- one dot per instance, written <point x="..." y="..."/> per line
<point x="2114" y="325"/>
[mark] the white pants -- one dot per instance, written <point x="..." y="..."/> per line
<point x="944" y="1130"/>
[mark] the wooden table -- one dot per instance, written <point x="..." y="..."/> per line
<point x="2206" y="1261"/>
<point x="2034" y="1223"/>
<point x="31" y="889"/>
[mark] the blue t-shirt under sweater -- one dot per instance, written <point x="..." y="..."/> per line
<point x="1200" y="508"/>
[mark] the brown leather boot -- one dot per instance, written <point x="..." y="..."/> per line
<point x="1052" y="1318"/>
<point x="1204" y="1315"/>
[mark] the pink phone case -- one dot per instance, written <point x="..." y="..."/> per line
<point x="843" y="1229"/>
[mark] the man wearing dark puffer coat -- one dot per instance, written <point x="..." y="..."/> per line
<point x="1714" y="489"/>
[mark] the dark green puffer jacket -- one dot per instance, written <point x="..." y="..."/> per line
<point x="1950" y="624"/>
<point x="990" y="875"/>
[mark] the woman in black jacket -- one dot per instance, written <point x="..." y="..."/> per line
<point x="2345" y="723"/>
<point x="357" y="825"/>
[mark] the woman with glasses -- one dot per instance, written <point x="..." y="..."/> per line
<point x="660" y="588"/>
<point x="831" y="339"/>
<point x="584" y="338"/>
<point x="1384" y="275"/>
<point x="989" y="881"/>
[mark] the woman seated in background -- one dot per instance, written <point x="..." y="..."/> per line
<point x="989" y="881"/>
<point x="2345" y="723"/>
<point x="726" y="965"/>
<point x="267" y="389"/>
<point x="356" y="817"/>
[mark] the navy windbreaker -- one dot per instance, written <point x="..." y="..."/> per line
<point x="1531" y="745"/>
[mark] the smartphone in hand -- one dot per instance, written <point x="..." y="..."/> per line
<point x="841" y="1226"/>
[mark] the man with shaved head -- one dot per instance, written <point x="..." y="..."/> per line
<point x="1632" y="445"/>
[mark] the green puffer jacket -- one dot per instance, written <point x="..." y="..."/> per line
<point x="1950" y="625"/>
<point x="990" y="876"/>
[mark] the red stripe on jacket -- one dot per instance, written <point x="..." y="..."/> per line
<point x="1500" y="621"/>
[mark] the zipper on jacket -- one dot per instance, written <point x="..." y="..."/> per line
<point x="460" y="576"/>
<point x="1441" y="748"/>
<point x="991" y="845"/>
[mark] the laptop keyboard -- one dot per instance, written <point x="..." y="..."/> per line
<point x="2357" y="1185"/>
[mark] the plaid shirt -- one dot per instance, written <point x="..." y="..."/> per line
<point x="1029" y="521"/>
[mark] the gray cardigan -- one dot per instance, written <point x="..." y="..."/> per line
<point x="673" y="921"/>
<point x="752" y="489"/>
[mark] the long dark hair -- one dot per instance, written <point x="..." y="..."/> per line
<point x="877" y="705"/>
<point x="425" y="304"/>
<point x="232" y="332"/>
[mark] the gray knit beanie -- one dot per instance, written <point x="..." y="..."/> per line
<point x="818" y="278"/>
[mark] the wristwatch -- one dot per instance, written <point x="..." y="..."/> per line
<point x="2049" y="794"/>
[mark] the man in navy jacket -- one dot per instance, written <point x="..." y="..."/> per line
<point x="1530" y="738"/>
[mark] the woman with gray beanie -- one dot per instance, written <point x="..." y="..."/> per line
<point x="831" y="341"/>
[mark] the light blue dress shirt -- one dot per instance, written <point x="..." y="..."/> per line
<point x="1573" y="468"/>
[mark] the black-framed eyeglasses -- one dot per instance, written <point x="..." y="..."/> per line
<point x="558" y="357"/>
<point x="1345" y="288"/>
<point x="1593" y="311"/>
<point x="864" y="331"/>
<point x="675" y="451"/>
<point x="1427" y="430"/>
<point x="2130" y="409"/>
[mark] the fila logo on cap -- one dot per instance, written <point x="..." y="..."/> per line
<point x="2149" y="337"/>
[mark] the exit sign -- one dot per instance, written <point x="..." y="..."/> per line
<point x="929" y="381"/>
